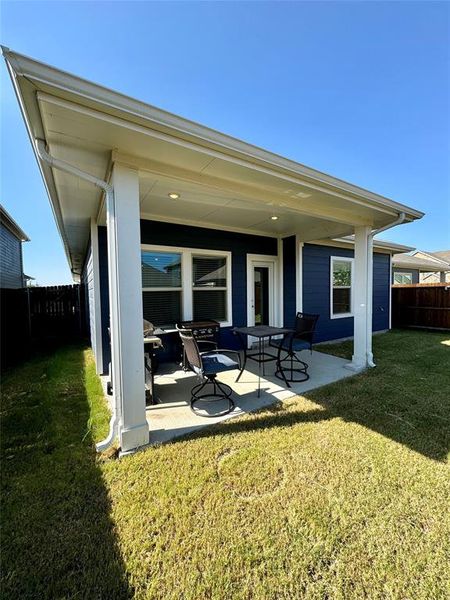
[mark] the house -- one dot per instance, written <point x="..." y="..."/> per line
<point x="11" y="260"/>
<point x="164" y="218"/>
<point x="421" y="267"/>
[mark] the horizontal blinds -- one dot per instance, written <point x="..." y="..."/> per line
<point x="209" y="271"/>
<point x="162" y="308"/>
<point x="210" y="304"/>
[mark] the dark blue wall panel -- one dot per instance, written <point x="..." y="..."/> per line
<point x="289" y="281"/>
<point x="104" y="295"/>
<point x="316" y="291"/>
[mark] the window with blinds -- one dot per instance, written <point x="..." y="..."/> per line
<point x="162" y="287"/>
<point x="341" y="292"/>
<point x="209" y="287"/>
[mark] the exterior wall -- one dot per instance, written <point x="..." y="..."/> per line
<point x="316" y="278"/>
<point x="289" y="281"/>
<point x="183" y="236"/>
<point x="316" y="291"/>
<point x="11" y="268"/>
<point x="415" y="273"/>
<point x="87" y="280"/>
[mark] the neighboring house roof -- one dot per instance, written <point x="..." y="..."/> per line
<point x="8" y="221"/>
<point x="412" y="261"/>
<point x="227" y="182"/>
<point x="442" y="254"/>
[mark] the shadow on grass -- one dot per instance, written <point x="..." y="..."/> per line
<point x="58" y="540"/>
<point x="406" y="398"/>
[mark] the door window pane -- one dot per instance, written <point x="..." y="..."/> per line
<point x="261" y="295"/>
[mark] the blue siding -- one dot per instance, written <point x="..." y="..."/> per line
<point x="11" y="274"/>
<point x="183" y="236"/>
<point x="316" y="291"/>
<point x="289" y="281"/>
<point x="104" y="295"/>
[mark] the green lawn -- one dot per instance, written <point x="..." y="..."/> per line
<point x="341" y="494"/>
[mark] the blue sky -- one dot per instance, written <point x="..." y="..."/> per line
<point x="359" y="90"/>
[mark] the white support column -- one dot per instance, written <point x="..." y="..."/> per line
<point x="369" y="319"/>
<point x="280" y="315"/>
<point x="96" y="335"/>
<point x="125" y="291"/>
<point x="299" y="274"/>
<point x="360" y="295"/>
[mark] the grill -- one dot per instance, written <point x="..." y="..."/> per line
<point x="203" y="331"/>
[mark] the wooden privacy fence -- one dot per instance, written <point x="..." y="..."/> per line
<point x="56" y="311"/>
<point x="40" y="317"/>
<point x="421" y="305"/>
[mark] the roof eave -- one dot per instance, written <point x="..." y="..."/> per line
<point x="24" y="66"/>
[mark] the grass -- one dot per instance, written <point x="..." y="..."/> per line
<point x="339" y="494"/>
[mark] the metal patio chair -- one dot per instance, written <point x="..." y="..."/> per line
<point x="289" y="367"/>
<point x="207" y="365"/>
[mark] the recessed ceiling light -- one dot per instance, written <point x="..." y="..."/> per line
<point x="174" y="195"/>
<point x="274" y="218"/>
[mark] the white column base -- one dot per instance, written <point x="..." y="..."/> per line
<point x="133" y="438"/>
<point x="355" y="367"/>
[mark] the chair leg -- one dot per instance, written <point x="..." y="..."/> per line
<point x="291" y="370"/>
<point x="220" y="391"/>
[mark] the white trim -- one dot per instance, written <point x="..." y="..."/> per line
<point x="391" y="280"/>
<point x="97" y="334"/>
<point x="280" y="282"/>
<point x="352" y="304"/>
<point x="263" y="260"/>
<point x="299" y="274"/>
<point x="187" y="289"/>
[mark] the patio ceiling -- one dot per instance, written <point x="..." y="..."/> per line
<point x="222" y="182"/>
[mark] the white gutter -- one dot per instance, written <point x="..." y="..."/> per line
<point x="401" y="217"/>
<point x="109" y="193"/>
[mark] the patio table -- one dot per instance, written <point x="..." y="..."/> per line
<point x="260" y="356"/>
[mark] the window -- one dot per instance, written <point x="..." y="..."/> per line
<point x="402" y="278"/>
<point x="161" y="287"/>
<point x="185" y="284"/>
<point x="341" y="304"/>
<point x="209" y="285"/>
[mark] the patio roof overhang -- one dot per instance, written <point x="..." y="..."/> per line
<point x="222" y="182"/>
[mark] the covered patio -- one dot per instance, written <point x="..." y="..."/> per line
<point x="113" y="163"/>
<point x="172" y="417"/>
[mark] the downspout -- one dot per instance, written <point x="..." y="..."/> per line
<point x="398" y="221"/>
<point x="109" y="193"/>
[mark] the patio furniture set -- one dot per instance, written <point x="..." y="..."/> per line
<point x="202" y="355"/>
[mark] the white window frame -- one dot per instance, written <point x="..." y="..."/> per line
<point x="352" y="287"/>
<point x="187" y="287"/>
<point x="402" y="274"/>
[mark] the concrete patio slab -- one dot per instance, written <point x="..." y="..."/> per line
<point x="172" y="416"/>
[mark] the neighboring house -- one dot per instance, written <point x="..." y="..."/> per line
<point x="164" y="218"/>
<point x="421" y="267"/>
<point x="11" y="261"/>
